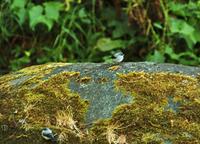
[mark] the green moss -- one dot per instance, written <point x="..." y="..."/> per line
<point x="32" y="108"/>
<point x="102" y="80"/>
<point x="150" y="114"/>
<point x="166" y="107"/>
<point x="33" y="75"/>
<point x="85" y="79"/>
<point x="114" y="68"/>
<point x="149" y="119"/>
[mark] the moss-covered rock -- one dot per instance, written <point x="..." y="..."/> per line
<point x="101" y="103"/>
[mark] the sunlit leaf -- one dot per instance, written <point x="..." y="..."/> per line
<point x="21" y="14"/>
<point x="158" y="25"/>
<point x="187" y="31"/>
<point x="178" y="8"/>
<point x="18" y="4"/>
<point x="157" y="56"/>
<point x="36" y="16"/>
<point x="181" y="26"/>
<point x="82" y="13"/>
<point x="18" y="7"/>
<point x="170" y="52"/>
<point x="107" y="44"/>
<point x="52" y="10"/>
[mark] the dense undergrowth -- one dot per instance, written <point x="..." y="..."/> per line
<point x="35" y="32"/>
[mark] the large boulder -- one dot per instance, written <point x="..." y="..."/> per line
<point x="86" y="103"/>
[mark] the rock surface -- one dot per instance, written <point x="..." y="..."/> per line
<point x="101" y="103"/>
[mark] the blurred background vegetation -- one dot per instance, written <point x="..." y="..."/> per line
<point x="40" y="31"/>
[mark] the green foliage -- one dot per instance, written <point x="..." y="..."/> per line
<point x="47" y="14"/>
<point x="91" y="31"/>
<point x="181" y="24"/>
<point x="107" y="44"/>
<point x="16" y="63"/>
<point x="18" y="8"/>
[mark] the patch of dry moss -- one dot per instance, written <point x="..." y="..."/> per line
<point x="33" y="75"/>
<point x="149" y="119"/>
<point x="85" y="79"/>
<point x="50" y="103"/>
<point x="114" y="68"/>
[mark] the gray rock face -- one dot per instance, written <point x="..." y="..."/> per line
<point x="90" y="68"/>
<point x="102" y="96"/>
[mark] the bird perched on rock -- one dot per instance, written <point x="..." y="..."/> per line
<point x="47" y="134"/>
<point x="118" y="57"/>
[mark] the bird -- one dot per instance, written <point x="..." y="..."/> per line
<point x="47" y="134"/>
<point x="118" y="57"/>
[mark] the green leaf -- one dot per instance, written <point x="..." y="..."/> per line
<point x="82" y="13"/>
<point x="120" y="29"/>
<point x="36" y="16"/>
<point x="44" y="20"/>
<point x="86" y="21"/>
<point x="188" y="58"/>
<point x="156" y="57"/>
<point x="52" y="10"/>
<point x="178" y="8"/>
<point x="18" y="4"/>
<point x="188" y="54"/>
<point x="18" y="7"/>
<point x="106" y="44"/>
<point x="186" y="31"/>
<point x="84" y="16"/>
<point x="190" y="40"/>
<point x="181" y="26"/>
<point x="72" y="35"/>
<point x="158" y="25"/>
<point x="108" y="59"/>
<point x="18" y="62"/>
<point x="21" y="14"/>
<point x="170" y="52"/>
<point x="197" y="35"/>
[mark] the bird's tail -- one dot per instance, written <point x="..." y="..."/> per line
<point x="53" y="140"/>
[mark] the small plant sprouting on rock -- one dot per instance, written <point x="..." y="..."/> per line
<point x="122" y="139"/>
<point x="112" y="136"/>
<point x="63" y="137"/>
<point x="65" y="119"/>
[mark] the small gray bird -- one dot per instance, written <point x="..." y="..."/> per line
<point x="119" y="57"/>
<point x="47" y="134"/>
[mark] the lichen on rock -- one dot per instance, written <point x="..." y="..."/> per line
<point x="164" y="106"/>
<point x="48" y="103"/>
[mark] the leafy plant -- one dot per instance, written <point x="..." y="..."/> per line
<point x="181" y="24"/>
<point x="91" y="31"/>
<point x="47" y="13"/>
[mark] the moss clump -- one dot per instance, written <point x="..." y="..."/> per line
<point x="50" y="103"/>
<point x="85" y="79"/>
<point x="114" y="68"/>
<point x="165" y="107"/>
<point x="102" y="80"/>
<point x="26" y="77"/>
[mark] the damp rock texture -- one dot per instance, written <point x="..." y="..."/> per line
<point x="87" y="103"/>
